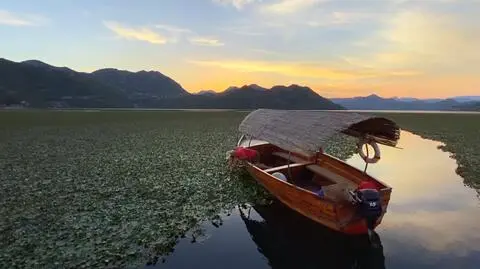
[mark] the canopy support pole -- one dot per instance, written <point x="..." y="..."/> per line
<point x="366" y="163"/>
<point x="288" y="163"/>
<point x="240" y="140"/>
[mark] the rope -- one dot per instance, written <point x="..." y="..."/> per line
<point x="366" y="163"/>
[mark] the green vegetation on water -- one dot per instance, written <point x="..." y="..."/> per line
<point x="119" y="188"/>
<point x="112" y="189"/>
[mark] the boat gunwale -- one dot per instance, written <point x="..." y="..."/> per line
<point x="307" y="159"/>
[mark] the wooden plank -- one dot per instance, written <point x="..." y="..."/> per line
<point x="278" y="168"/>
<point x="317" y="169"/>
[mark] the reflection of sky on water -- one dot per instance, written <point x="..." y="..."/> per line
<point x="230" y="246"/>
<point x="431" y="215"/>
<point x="433" y="221"/>
<point x="420" y="173"/>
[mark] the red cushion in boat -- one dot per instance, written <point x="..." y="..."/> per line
<point x="367" y="184"/>
<point x="244" y="153"/>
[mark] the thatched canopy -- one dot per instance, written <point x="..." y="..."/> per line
<point x="308" y="131"/>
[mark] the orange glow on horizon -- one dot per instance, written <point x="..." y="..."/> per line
<point x="419" y="87"/>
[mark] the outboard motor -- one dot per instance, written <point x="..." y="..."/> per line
<point x="369" y="205"/>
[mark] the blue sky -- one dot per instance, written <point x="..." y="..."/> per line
<point x="420" y="48"/>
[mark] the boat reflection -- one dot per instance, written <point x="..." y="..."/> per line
<point x="290" y="240"/>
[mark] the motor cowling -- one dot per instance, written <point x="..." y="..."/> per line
<point x="369" y="203"/>
<point x="370" y="206"/>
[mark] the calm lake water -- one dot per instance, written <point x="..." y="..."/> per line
<point x="433" y="221"/>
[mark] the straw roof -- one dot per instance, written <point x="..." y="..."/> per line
<point x="306" y="131"/>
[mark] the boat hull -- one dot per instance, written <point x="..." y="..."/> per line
<point x="334" y="215"/>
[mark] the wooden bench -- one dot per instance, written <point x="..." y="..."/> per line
<point x="278" y="168"/>
<point x="317" y="169"/>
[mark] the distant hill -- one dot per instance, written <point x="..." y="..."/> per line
<point x="253" y="96"/>
<point x="142" y="88"/>
<point x="206" y="92"/>
<point x="472" y="98"/>
<point x="468" y="106"/>
<point x="460" y="99"/>
<point x="375" y="102"/>
<point x="36" y="84"/>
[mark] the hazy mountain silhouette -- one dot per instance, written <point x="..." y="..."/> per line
<point x="254" y="96"/>
<point x="36" y="84"/>
<point x="375" y="102"/>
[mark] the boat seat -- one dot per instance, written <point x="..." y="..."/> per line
<point x="290" y="157"/>
<point x="277" y="168"/>
<point x="317" y="169"/>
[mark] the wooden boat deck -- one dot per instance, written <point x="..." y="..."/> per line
<point x="308" y="185"/>
<point x="323" y="175"/>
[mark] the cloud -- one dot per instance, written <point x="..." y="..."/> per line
<point x="206" y="41"/>
<point x="142" y="33"/>
<point x="290" y="6"/>
<point x="243" y="30"/>
<point x="267" y="52"/>
<point x="238" y="4"/>
<point x="342" y="17"/>
<point x="300" y="69"/>
<point x="437" y="1"/>
<point x="173" y="33"/>
<point x="16" y="19"/>
<point x="164" y="34"/>
<point x="172" y="28"/>
<point x="428" y="41"/>
<point x="435" y="35"/>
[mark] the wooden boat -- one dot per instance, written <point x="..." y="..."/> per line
<point x="290" y="163"/>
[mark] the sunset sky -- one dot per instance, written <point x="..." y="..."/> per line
<point x="339" y="48"/>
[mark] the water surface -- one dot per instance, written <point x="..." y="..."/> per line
<point x="432" y="222"/>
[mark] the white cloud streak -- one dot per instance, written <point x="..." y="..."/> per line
<point x="238" y="4"/>
<point x="206" y="41"/>
<point x="172" y="28"/>
<point x="140" y="33"/>
<point x="342" y="18"/>
<point x="160" y="34"/>
<point x="290" y="6"/>
<point x="17" y="19"/>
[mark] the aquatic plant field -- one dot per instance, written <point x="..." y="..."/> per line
<point x="119" y="188"/>
<point x="113" y="189"/>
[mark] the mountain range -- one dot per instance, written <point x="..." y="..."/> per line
<point x="375" y="102"/>
<point x="36" y="84"/>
